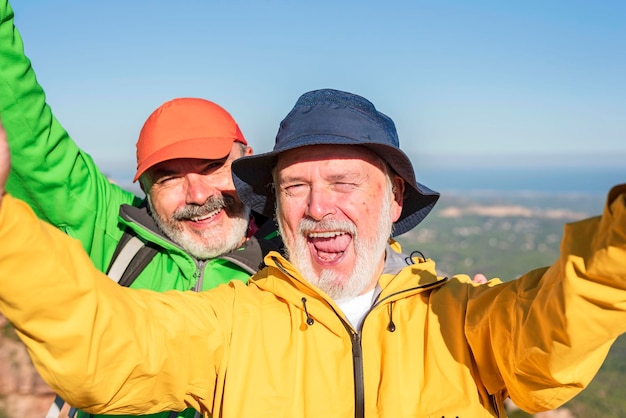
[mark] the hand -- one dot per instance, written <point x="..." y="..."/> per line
<point x="479" y="278"/>
<point x="5" y="160"/>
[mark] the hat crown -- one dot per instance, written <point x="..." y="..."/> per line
<point x="336" y="113"/>
<point x="186" y="128"/>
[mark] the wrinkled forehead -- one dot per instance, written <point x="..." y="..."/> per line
<point x="321" y="153"/>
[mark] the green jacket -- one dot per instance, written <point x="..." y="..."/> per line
<point x="64" y="187"/>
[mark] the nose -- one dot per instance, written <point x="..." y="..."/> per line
<point x="197" y="189"/>
<point x="321" y="203"/>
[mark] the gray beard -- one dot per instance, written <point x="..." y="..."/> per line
<point x="207" y="244"/>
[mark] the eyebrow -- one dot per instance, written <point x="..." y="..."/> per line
<point x="351" y="175"/>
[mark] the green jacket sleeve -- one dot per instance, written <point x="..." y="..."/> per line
<point x="57" y="179"/>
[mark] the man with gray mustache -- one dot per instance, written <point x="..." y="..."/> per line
<point x="191" y="232"/>
<point x="225" y="242"/>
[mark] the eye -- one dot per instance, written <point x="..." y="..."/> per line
<point x="344" y="186"/>
<point x="212" y="166"/>
<point x="168" y="179"/>
<point x="294" y="186"/>
<point x="164" y="179"/>
<point x="295" y="189"/>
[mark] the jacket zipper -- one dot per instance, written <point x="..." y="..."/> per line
<point x="355" y="339"/>
<point x="200" y="265"/>
<point x="359" y="389"/>
<point x="357" y="352"/>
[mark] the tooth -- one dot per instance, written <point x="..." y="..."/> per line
<point x="206" y="216"/>
<point x="328" y="234"/>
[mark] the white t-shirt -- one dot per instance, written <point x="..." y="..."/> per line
<point x="356" y="308"/>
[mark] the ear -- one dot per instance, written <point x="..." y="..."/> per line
<point x="398" y="197"/>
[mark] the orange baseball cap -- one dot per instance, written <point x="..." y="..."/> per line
<point x="186" y="128"/>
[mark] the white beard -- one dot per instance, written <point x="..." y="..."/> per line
<point x="368" y="252"/>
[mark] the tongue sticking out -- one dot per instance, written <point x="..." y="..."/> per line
<point x="331" y="249"/>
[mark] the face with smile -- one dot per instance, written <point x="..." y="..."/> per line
<point x="335" y="210"/>
<point x="195" y="204"/>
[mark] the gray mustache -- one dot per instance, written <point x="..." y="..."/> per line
<point x="212" y="204"/>
<point x="307" y="225"/>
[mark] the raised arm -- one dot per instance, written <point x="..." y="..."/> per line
<point x="57" y="179"/>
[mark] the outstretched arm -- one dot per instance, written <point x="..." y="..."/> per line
<point x="57" y="179"/>
<point x="543" y="336"/>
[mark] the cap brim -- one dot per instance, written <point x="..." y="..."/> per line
<point x="201" y="148"/>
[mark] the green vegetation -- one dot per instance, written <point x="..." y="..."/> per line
<point x="497" y="235"/>
<point x="503" y="243"/>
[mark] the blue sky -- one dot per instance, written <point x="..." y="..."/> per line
<point x="467" y="82"/>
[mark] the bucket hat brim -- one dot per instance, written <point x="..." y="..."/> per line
<point x="332" y="117"/>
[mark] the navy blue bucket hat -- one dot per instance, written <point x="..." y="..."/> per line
<point x="323" y="117"/>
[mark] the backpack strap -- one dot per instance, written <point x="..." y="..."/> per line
<point x="130" y="257"/>
<point x="55" y="408"/>
<point x="123" y="259"/>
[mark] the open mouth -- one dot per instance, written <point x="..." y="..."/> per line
<point x="203" y="213"/>
<point x="206" y="217"/>
<point x="328" y="247"/>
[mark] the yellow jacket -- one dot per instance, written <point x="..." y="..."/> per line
<point x="429" y="347"/>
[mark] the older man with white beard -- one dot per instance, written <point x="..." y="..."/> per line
<point x="319" y="221"/>
<point x="347" y="325"/>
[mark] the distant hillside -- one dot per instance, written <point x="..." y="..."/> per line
<point x="498" y="234"/>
